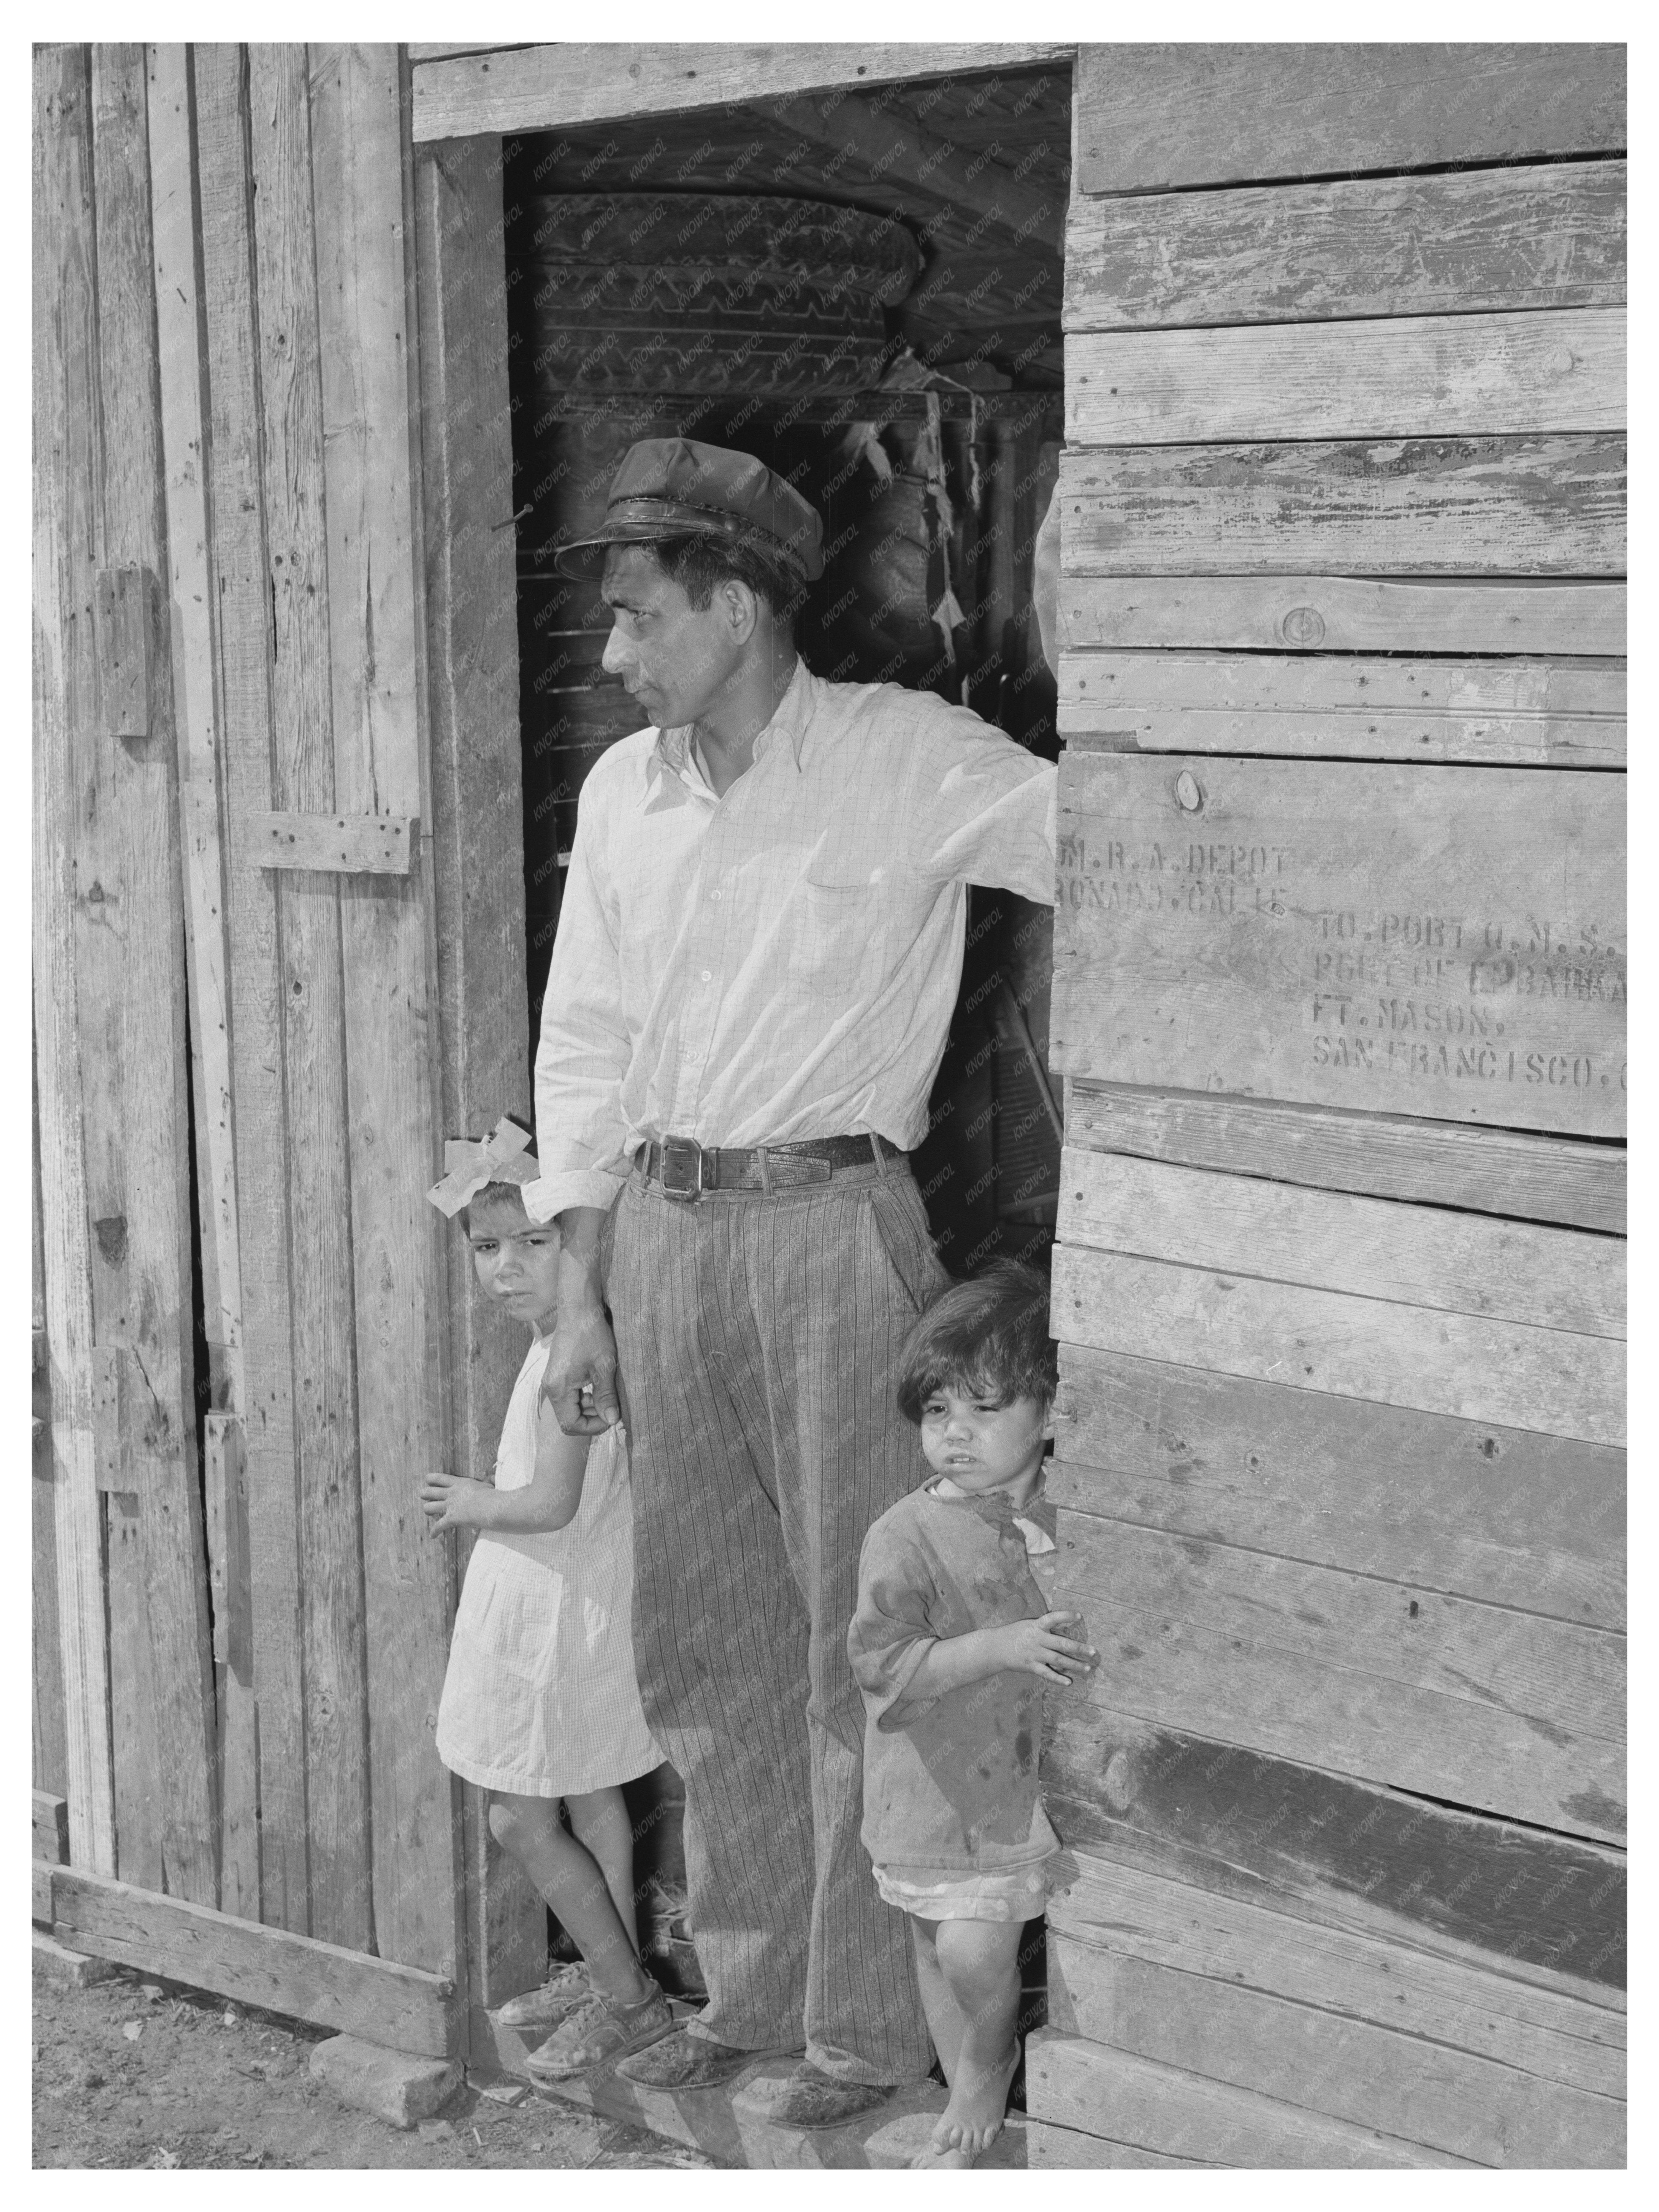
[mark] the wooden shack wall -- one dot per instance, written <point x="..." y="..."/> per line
<point x="264" y="726"/>
<point x="1340" y="1000"/>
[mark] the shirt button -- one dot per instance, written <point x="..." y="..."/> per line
<point x="708" y="975"/>
<point x="714" y="894"/>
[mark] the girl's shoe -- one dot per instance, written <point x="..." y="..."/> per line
<point x="599" y="2030"/>
<point x="565" y="1987"/>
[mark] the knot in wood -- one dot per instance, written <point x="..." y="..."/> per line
<point x="1302" y="626"/>
<point x="1187" y="792"/>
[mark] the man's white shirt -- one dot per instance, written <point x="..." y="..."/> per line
<point x="781" y="964"/>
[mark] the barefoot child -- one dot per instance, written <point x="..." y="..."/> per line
<point x="952" y="1645"/>
<point x="539" y="1702"/>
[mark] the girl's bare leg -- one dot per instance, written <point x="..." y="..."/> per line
<point x="599" y="1821"/>
<point x="979" y="1964"/>
<point x="572" y="1880"/>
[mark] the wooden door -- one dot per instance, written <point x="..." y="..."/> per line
<point x="247" y="830"/>
<point x="1340" y="991"/>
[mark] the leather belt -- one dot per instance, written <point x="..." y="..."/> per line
<point x="686" y="1169"/>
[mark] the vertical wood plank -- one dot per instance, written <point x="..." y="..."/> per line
<point x="241" y="593"/>
<point x="146" y="1294"/>
<point x="64" y="368"/>
<point x="314" y="1012"/>
<point x="365" y="348"/>
<point x="48" y="1744"/>
<point x="191" y="610"/>
<point x="476" y="845"/>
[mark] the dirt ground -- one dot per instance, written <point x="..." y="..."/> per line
<point x="137" y="2072"/>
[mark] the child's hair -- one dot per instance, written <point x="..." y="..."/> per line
<point x="988" y="1335"/>
<point x="491" y="1194"/>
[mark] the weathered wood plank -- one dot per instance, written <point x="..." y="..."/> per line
<point x="194" y="610"/>
<point x="1050" y="2148"/>
<point x="49" y="1831"/>
<point x="134" y="1062"/>
<point x="1500" y="1514"/>
<point x="1347" y="934"/>
<point x="1335" y="683"/>
<point x="363" y="845"/>
<point x="68" y="521"/>
<point x="338" y="1817"/>
<point x="225" y="1489"/>
<point x="1408" y="376"/>
<point x="1341" y="614"/>
<point x="1514" y="1713"/>
<point x="354" y="1993"/>
<point x="132" y="701"/>
<point x="1458" y="243"/>
<point x="546" y="87"/>
<point x="475" y="774"/>
<point x="1522" y="1377"/>
<point x="1147" y="2106"/>
<point x="375" y="560"/>
<point x="65" y="523"/>
<point x="1514" y="506"/>
<point x="182" y="385"/>
<point x="243" y="598"/>
<point x="1336" y="2022"/>
<point x="1099" y="1905"/>
<point x="1533" y="713"/>
<point x="48" y="1737"/>
<point x="1162" y="118"/>
<point x="1321" y="2061"/>
<point x="40" y="1892"/>
<point x="1548" y="1910"/>
<point x="1490" y="1170"/>
<point x="1416" y="1255"/>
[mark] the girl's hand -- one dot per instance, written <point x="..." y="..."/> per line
<point x="1043" y="1647"/>
<point x="451" y="1501"/>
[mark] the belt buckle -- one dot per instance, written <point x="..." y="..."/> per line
<point x="682" y="1168"/>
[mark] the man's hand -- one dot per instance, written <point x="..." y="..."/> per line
<point x="1044" y="1647"/>
<point x="581" y="1380"/>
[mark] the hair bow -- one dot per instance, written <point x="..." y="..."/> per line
<point x="504" y="1156"/>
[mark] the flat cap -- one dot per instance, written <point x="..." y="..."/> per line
<point x="678" y="487"/>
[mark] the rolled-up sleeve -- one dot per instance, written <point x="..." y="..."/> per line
<point x="982" y="810"/>
<point x="582" y="1054"/>
<point x="889" y="1635"/>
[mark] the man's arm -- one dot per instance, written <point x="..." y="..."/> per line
<point x="580" y="1382"/>
<point x="983" y="808"/>
<point x="580" y="1059"/>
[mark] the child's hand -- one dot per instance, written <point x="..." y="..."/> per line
<point x="451" y="1501"/>
<point x="1044" y="1647"/>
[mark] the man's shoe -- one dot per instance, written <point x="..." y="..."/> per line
<point x="812" y="2098"/>
<point x="686" y="2061"/>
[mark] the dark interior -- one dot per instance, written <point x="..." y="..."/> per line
<point x="865" y="292"/>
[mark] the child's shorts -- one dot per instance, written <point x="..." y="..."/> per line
<point x="932" y="1893"/>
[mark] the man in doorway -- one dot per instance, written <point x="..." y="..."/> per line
<point x="757" y="959"/>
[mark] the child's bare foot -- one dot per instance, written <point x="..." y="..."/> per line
<point x="972" y="2121"/>
<point x="938" y="2156"/>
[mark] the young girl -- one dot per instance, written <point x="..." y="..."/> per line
<point x="540" y="1703"/>
<point x="951" y="1644"/>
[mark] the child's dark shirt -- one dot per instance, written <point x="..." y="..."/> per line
<point x="948" y="1781"/>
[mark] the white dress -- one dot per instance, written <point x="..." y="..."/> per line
<point x="540" y="1697"/>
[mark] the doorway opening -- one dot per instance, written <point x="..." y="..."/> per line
<point x="791" y="278"/>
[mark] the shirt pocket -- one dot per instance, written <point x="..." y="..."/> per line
<point x="836" y="927"/>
